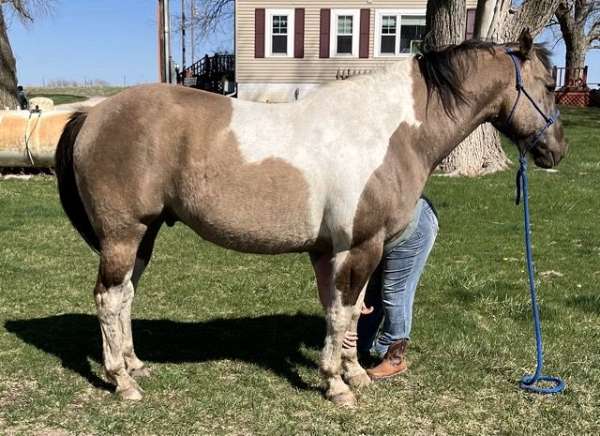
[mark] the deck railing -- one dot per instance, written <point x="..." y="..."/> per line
<point x="209" y="68"/>
<point x="346" y="73"/>
<point x="571" y="78"/>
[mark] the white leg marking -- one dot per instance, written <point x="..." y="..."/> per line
<point x="109" y="305"/>
<point x="338" y="320"/>
<point x="354" y="373"/>
<point x="134" y="366"/>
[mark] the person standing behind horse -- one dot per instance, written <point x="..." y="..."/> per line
<point x="22" y="98"/>
<point x="385" y="324"/>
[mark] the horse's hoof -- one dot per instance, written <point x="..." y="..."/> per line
<point x="344" y="399"/>
<point x="131" y="394"/>
<point x="144" y="371"/>
<point x="359" y="380"/>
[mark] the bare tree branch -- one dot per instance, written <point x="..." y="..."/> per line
<point x="210" y="15"/>
<point x="27" y="10"/>
<point x="594" y="33"/>
<point x="533" y="14"/>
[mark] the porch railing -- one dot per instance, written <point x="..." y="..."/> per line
<point x="208" y="71"/>
<point x="346" y="73"/>
<point x="571" y="78"/>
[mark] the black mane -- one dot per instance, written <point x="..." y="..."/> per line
<point x="445" y="70"/>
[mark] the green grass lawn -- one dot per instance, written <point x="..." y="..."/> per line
<point x="233" y="340"/>
<point x="83" y="91"/>
<point x="60" y="98"/>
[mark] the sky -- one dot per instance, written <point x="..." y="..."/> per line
<point x="111" y="40"/>
<point x="116" y="41"/>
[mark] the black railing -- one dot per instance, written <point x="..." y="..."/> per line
<point x="209" y="73"/>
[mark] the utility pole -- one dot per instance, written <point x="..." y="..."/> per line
<point x="192" y="16"/>
<point x="182" y="35"/>
<point x="167" y="32"/>
<point x="160" y="20"/>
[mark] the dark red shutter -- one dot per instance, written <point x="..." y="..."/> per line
<point x="324" y="33"/>
<point x="299" y="33"/>
<point x="365" y="27"/>
<point x="259" y="33"/>
<point x="470" y="27"/>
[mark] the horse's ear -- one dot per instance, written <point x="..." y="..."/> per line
<point x="525" y="43"/>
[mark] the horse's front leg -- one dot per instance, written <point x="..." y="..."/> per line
<point x="354" y="374"/>
<point x="350" y="272"/>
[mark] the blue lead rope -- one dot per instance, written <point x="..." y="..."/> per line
<point x="529" y="382"/>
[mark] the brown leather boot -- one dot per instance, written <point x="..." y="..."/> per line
<point x="393" y="362"/>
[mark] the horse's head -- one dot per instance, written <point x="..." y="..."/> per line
<point x="528" y="114"/>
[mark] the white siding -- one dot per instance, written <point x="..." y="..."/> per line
<point x="311" y="69"/>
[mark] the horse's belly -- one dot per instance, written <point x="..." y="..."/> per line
<point x="250" y="236"/>
<point x="260" y="215"/>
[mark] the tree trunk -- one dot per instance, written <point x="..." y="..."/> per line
<point x="575" y="53"/>
<point x="509" y="21"/>
<point x="446" y="22"/>
<point x="575" y="63"/>
<point x="480" y="153"/>
<point x="8" y="70"/>
<point x="572" y="17"/>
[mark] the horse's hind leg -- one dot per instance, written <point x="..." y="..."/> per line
<point x="113" y="294"/>
<point x="135" y="367"/>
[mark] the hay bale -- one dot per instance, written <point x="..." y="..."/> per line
<point x="42" y="132"/>
<point x="44" y="103"/>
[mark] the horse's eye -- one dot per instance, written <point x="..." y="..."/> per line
<point x="551" y="88"/>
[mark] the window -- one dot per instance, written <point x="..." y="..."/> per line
<point x="412" y="30"/>
<point x="279" y="32"/>
<point x="344" y="34"/>
<point x="344" y="37"/>
<point x="399" y="32"/>
<point x="388" y="34"/>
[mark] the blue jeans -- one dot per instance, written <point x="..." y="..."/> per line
<point x="391" y="289"/>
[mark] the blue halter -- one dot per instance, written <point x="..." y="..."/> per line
<point x="529" y="382"/>
<point x="533" y="139"/>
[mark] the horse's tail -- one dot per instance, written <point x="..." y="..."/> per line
<point x="67" y="185"/>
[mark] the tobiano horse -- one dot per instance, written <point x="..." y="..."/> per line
<point x="335" y="175"/>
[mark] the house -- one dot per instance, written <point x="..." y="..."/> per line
<point x="287" y="48"/>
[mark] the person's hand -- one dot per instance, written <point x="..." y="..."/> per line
<point x="350" y="339"/>
<point x="366" y="310"/>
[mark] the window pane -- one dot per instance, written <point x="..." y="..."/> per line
<point x="388" y="44"/>
<point x="388" y="25"/>
<point x="280" y="24"/>
<point x="412" y="30"/>
<point x="344" y="44"/>
<point x="279" y="45"/>
<point x="345" y="25"/>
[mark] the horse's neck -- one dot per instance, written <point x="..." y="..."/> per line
<point x="425" y="134"/>
<point x="442" y="133"/>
